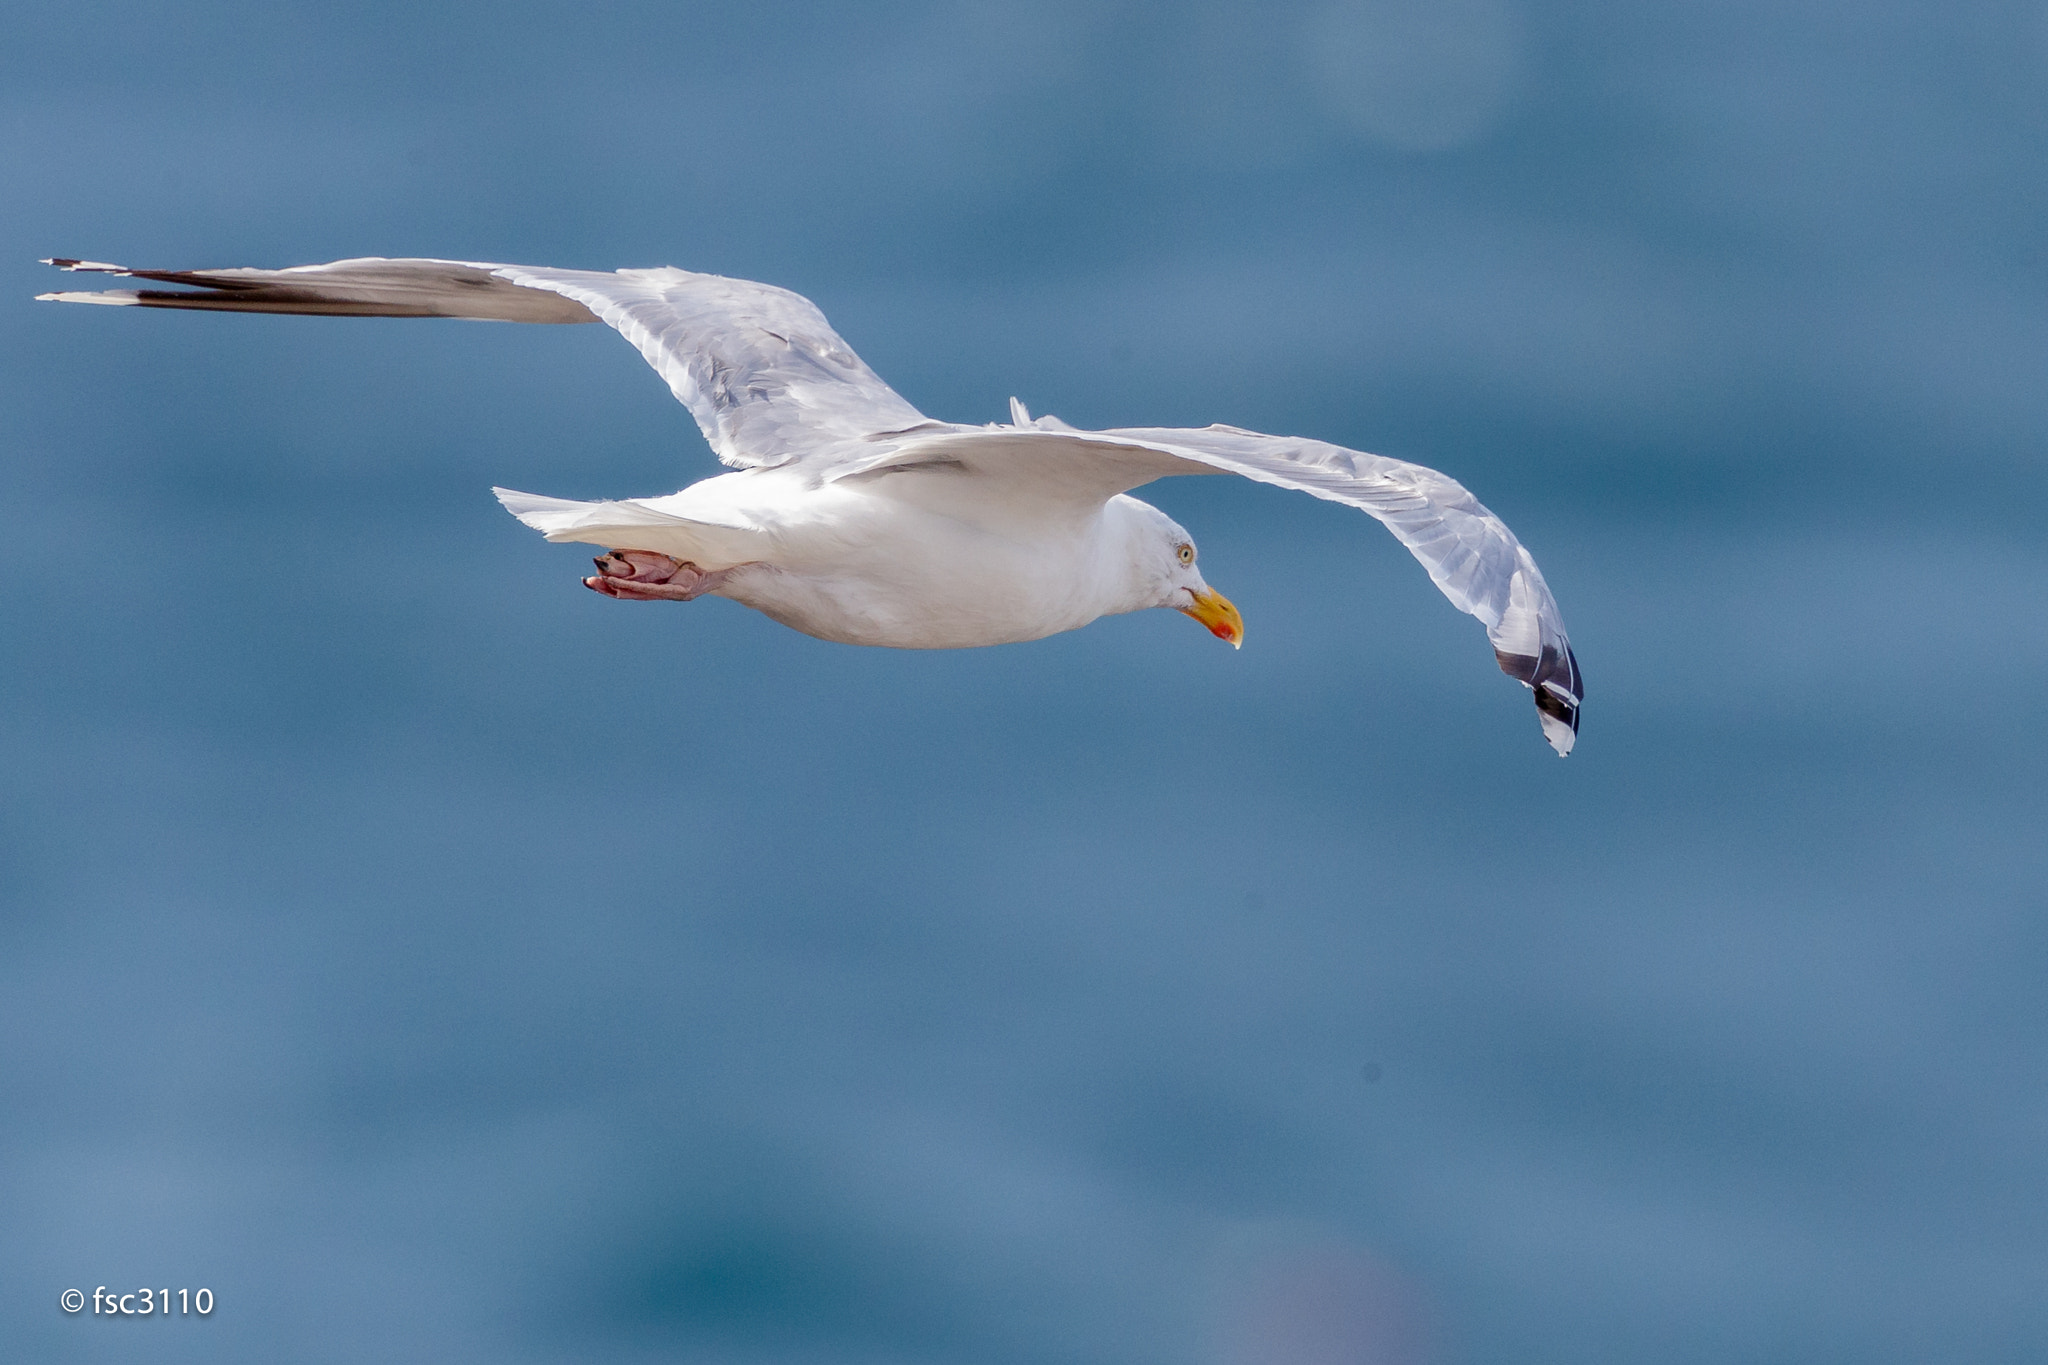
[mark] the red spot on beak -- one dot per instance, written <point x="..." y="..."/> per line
<point x="1213" y="610"/>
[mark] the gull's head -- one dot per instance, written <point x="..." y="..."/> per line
<point x="1166" y="563"/>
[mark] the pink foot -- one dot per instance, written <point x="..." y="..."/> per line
<point x="644" y="576"/>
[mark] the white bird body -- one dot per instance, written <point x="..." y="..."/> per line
<point x="877" y="563"/>
<point x="854" y="517"/>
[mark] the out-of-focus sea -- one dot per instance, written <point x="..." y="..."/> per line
<point x="438" y="962"/>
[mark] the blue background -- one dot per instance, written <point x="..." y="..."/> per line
<point x="442" y="963"/>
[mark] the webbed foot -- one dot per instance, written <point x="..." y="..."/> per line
<point x="645" y="576"/>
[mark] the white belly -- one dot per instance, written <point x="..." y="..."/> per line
<point x="910" y="605"/>
<point x="867" y="570"/>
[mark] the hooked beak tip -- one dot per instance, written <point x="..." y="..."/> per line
<point x="1216" y="613"/>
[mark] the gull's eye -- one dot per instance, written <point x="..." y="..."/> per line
<point x="1186" y="554"/>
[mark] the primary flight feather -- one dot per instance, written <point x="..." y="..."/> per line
<point x="854" y="517"/>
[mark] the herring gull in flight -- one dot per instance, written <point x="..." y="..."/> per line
<point x="854" y="517"/>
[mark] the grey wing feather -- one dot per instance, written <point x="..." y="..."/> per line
<point x="764" y="374"/>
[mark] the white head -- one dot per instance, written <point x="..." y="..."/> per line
<point x="1163" y="560"/>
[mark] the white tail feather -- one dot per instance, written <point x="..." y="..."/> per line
<point x="633" y="526"/>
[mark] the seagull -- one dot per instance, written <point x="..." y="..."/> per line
<point x="851" y="516"/>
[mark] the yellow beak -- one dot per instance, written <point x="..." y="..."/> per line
<point x="1213" y="610"/>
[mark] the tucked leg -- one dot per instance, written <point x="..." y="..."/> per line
<point x="644" y="576"/>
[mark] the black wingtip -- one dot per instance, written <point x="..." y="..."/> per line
<point x="1554" y="706"/>
<point x="1559" y="688"/>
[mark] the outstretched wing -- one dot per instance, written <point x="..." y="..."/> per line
<point x="1469" y="552"/>
<point x="764" y="374"/>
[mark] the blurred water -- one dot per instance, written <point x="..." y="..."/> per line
<point x="439" y="962"/>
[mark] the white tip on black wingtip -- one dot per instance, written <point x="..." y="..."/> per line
<point x="1560" y="733"/>
<point x="75" y="296"/>
<point x="99" y="267"/>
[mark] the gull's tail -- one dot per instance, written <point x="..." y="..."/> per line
<point x="633" y="525"/>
